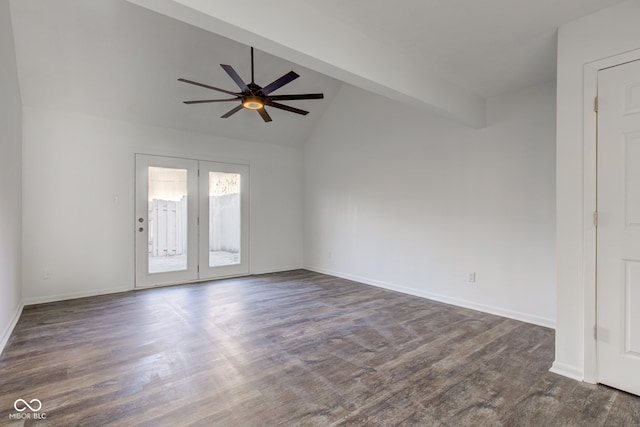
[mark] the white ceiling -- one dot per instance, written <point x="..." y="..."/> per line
<point x="115" y="59"/>
<point x="487" y="46"/>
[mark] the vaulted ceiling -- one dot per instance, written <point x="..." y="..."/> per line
<point x="116" y="60"/>
<point x="121" y="59"/>
<point x="486" y="46"/>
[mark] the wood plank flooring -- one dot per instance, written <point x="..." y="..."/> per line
<point x="293" y="349"/>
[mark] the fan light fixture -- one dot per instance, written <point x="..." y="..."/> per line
<point x="252" y="103"/>
<point x="255" y="97"/>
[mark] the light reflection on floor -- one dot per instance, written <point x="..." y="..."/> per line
<point x="163" y="264"/>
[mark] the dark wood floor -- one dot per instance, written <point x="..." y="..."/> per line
<point x="295" y="348"/>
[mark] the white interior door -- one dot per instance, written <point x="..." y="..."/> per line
<point x="224" y="219"/>
<point x="166" y="220"/>
<point x="618" y="247"/>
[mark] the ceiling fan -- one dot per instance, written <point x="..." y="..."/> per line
<point x="255" y="97"/>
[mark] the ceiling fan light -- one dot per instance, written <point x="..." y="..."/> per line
<point x="252" y="103"/>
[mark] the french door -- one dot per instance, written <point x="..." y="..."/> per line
<point x="191" y="220"/>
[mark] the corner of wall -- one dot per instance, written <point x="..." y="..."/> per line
<point x="6" y="334"/>
<point x="11" y="177"/>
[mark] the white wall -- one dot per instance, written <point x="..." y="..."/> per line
<point x="10" y="177"/>
<point x="604" y="34"/>
<point x="401" y="199"/>
<point x="78" y="190"/>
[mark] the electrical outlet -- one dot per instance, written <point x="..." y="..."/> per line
<point x="45" y="275"/>
<point x="471" y="277"/>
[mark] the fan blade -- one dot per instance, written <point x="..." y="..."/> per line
<point x="287" y="78"/>
<point x="265" y="116"/>
<point x="207" y="86"/>
<point x="211" y="100"/>
<point x="231" y="112"/>
<point x="287" y="108"/>
<point x="296" y="97"/>
<point x="235" y="77"/>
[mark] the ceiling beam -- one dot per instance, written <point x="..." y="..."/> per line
<point x="296" y="32"/>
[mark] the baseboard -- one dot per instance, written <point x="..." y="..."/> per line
<point x="565" y="370"/>
<point x="276" y="270"/>
<point x="73" y="295"/>
<point x="7" y="332"/>
<point x="523" y="317"/>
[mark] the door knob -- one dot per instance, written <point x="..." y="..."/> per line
<point x="141" y="229"/>
<point x="140" y="219"/>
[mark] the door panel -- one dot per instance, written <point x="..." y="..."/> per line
<point x="224" y="219"/>
<point x="618" y="247"/>
<point x="166" y="220"/>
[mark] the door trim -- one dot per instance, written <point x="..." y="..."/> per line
<point x="590" y="177"/>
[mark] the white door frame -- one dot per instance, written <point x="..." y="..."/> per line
<point x="590" y="91"/>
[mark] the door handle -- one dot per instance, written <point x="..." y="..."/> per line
<point x="140" y="219"/>
<point x="141" y="229"/>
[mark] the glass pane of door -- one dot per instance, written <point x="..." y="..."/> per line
<point x="224" y="219"/>
<point x="167" y="220"/>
